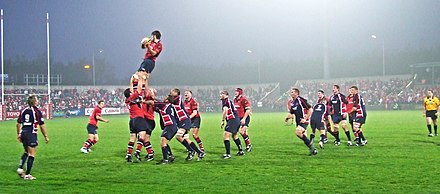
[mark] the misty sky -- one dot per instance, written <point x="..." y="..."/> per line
<point x="216" y="32"/>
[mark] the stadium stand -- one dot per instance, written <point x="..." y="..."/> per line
<point x="390" y="92"/>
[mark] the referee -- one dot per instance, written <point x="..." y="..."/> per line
<point x="432" y="106"/>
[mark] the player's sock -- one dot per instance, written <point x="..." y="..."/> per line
<point x="22" y="160"/>
<point x="30" y="162"/>
<point x="194" y="147"/>
<point x="169" y="150"/>
<point x="347" y="133"/>
<point x="246" y="138"/>
<point x="140" y="144"/>
<point x="306" y="141"/>
<point x="199" y="141"/>
<point x="87" y="143"/>
<point x="187" y="146"/>
<point x="435" y="129"/>
<point x="361" y="135"/>
<point x="165" y="152"/>
<point x="238" y="143"/>
<point x="322" y="137"/>
<point x="227" y="146"/>
<point x="130" y="147"/>
<point x="333" y="134"/>
<point x="336" y="134"/>
<point x="92" y="142"/>
<point x="148" y="147"/>
<point x="312" y="136"/>
<point x="356" y="136"/>
<point x="429" y="128"/>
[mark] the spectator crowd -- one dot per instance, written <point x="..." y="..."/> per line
<point x="376" y="92"/>
<point x="68" y="99"/>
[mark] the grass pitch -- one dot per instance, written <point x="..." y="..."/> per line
<point x="399" y="158"/>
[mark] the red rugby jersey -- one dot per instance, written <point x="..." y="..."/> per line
<point x="96" y="112"/>
<point x="157" y="46"/>
<point x="191" y="105"/>
<point x="135" y="109"/>
<point x="350" y="104"/>
<point x="241" y="103"/>
<point x="149" y="109"/>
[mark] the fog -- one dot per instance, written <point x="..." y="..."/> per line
<point x="286" y="37"/>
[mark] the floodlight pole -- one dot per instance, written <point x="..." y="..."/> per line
<point x="93" y="66"/>
<point x="383" y="53"/>
<point x="383" y="57"/>
<point x="258" y="67"/>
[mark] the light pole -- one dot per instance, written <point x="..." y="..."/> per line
<point x="93" y="66"/>
<point x="383" y="53"/>
<point x="258" y="67"/>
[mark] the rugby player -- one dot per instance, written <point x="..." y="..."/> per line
<point x="243" y="107"/>
<point x="137" y="123"/>
<point x="92" y="127"/>
<point x="360" y="116"/>
<point x="339" y="115"/>
<point x="301" y="111"/>
<point x="154" y="48"/>
<point x="317" y="120"/>
<point x="27" y="127"/>
<point x="192" y="108"/>
<point x="184" y="126"/>
<point x="151" y="124"/>
<point x="168" y="125"/>
<point x="232" y="120"/>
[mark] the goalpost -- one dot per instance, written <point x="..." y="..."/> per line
<point x="49" y="102"/>
<point x="48" y="106"/>
<point x="2" y="107"/>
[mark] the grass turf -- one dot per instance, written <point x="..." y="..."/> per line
<point x="399" y="158"/>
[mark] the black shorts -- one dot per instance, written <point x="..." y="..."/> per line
<point x="148" y="65"/>
<point x="303" y="125"/>
<point x="317" y="124"/>
<point x="169" y="132"/>
<point x="195" y="122"/>
<point x="137" y="125"/>
<point x="337" y="118"/>
<point x="360" y="120"/>
<point x="185" y="124"/>
<point x="246" y="123"/>
<point x="232" y="125"/>
<point x="431" y="113"/>
<point x="350" y="118"/>
<point x="151" y="124"/>
<point x="91" y="129"/>
<point x="29" y="139"/>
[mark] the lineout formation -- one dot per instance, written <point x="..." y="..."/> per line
<point x="179" y="115"/>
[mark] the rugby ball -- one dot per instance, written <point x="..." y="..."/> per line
<point x="144" y="41"/>
<point x="135" y="77"/>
